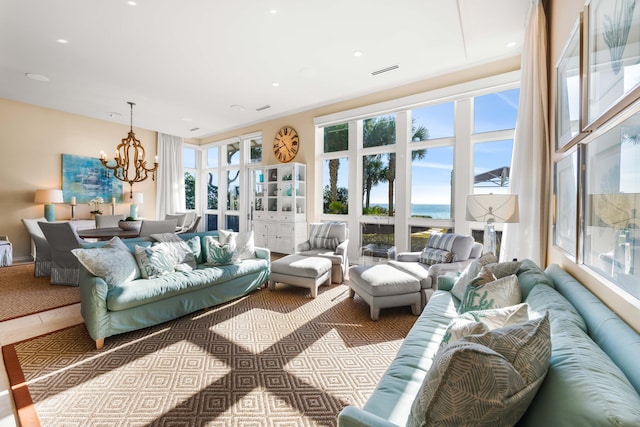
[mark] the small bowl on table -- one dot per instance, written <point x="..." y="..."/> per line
<point x="130" y="225"/>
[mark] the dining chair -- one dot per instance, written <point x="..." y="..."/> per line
<point x="193" y="227"/>
<point x="40" y="250"/>
<point x="150" y="227"/>
<point x="108" y="221"/>
<point x="62" y="237"/>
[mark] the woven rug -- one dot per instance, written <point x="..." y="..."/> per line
<point x="272" y="358"/>
<point x="22" y="294"/>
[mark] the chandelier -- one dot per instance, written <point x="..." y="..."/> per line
<point x="130" y="165"/>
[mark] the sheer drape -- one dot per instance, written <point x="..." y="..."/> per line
<point x="529" y="168"/>
<point x="170" y="189"/>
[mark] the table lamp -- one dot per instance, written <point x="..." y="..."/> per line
<point x="49" y="197"/>
<point x="491" y="209"/>
<point x="138" y="199"/>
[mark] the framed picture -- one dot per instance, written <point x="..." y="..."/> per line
<point x="613" y="51"/>
<point x="569" y="86"/>
<point x="565" y="224"/>
<point x="86" y="178"/>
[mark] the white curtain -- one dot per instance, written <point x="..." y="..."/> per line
<point x="530" y="162"/>
<point x="170" y="188"/>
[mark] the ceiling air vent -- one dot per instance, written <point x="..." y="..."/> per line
<point x="384" y="70"/>
<point x="193" y="129"/>
<point x="264" y="107"/>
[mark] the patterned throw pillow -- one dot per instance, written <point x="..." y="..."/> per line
<point x="113" y="262"/>
<point x="155" y="261"/>
<point x="318" y="234"/>
<point x="243" y="243"/>
<point x="431" y="256"/>
<point x="442" y="241"/>
<point x="196" y="248"/>
<point x="487" y="379"/>
<point x="479" y="322"/>
<point x="218" y="254"/>
<point x="504" y="269"/>
<point x="499" y="293"/>
<point x="484" y="276"/>
<point x="324" y="243"/>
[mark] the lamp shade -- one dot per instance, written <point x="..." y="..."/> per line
<point x="498" y="208"/>
<point x="137" y="199"/>
<point x="49" y="196"/>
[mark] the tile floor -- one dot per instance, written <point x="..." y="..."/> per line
<point x="23" y="328"/>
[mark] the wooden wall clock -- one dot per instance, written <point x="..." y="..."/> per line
<point x="285" y="144"/>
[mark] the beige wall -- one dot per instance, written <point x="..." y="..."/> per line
<point x="562" y="16"/>
<point x="32" y="141"/>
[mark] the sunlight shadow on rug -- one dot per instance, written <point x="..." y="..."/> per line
<point x="272" y="357"/>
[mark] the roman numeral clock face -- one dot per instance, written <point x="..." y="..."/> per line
<point x="285" y="144"/>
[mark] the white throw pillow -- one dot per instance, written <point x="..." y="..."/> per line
<point x="481" y="321"/>
<point x="499" y="293"/>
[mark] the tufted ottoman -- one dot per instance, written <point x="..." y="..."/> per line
<point x="299" y="270"/>
<point x="383" y="286"/>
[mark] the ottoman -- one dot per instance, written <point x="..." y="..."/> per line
<point x="383" y="286"/>
<point x="299" y="270"/>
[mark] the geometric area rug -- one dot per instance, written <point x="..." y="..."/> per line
<point x="271" y="358"/>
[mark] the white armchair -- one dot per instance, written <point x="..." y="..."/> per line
<point x="329" y="239"/>
<point x="463" y="250"/>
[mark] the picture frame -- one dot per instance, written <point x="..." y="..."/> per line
<point x="569" y="88"/>
<point x="612" y="49"/>
<point x="565" y="215"/>
<point x="85" y="178"/>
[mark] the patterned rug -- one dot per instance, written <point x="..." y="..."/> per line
<point x="22" y="294"/>
<point x="272" y="358"/>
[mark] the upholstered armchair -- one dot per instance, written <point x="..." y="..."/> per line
<point x="329" y="239"/>
<point x="41" y="249"/>
<point x="150" y="227"/>
<point x="450" y="252"/>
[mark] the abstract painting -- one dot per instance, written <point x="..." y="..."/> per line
<point x="86" y="178"/>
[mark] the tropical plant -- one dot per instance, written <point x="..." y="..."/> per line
<point x="377" y="132"/>
<point x="336" y="138"/>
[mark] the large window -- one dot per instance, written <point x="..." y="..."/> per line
<point x="214" y="177"/>
<point x="413" y="164"/>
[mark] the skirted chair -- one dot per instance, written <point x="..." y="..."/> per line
<point x="42" y="251"/>
<point x="329" y="239"/>
<point x="150" y="227"/>
<point x="108" y="221"/>
<point x="62" y="237"/>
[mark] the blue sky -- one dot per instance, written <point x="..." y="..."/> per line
<point x="431" y="176"/>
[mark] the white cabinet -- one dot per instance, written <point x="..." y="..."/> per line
<point x="278" y="206"/>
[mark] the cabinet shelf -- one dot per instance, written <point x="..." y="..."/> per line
<point x="279" y="206"/>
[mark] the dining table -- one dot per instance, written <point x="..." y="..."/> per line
<point x="107" y="233"/>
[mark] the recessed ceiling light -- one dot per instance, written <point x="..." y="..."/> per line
<point x="275" y="84"/>
<point x="62" y="41"/>
<point x="511" y="44"/>
<point x="132" y="3"/>
<point x="114" y="115"/>
<point x="187" y="119"/>
<point x="273" y="11"/>
<point x="237" y="107"/>
<point x="37" y="77"/>
<point x="357" y="53"/>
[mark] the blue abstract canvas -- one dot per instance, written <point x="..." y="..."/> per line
<point x="86" y="178"/>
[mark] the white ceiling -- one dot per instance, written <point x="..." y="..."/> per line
<point x="186" y="62"/>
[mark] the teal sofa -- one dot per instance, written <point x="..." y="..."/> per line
<point x="110" y="309"/>
<point x="594" y="372"/>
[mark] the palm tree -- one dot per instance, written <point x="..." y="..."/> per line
<point x="381" y="131"/>
<point x="336" y="138"/>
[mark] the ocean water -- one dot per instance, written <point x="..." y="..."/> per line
<point x="434" y="211"/>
